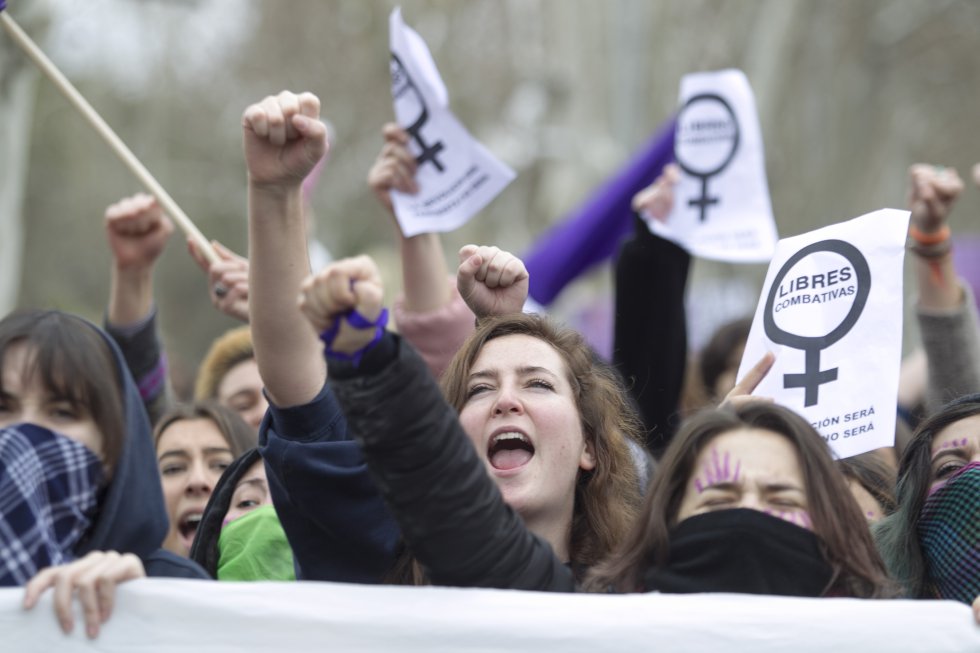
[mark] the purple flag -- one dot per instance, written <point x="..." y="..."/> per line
<point x="966" y="260"/>
<point x="593" y="232"/>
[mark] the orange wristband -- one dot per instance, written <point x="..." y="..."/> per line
<point x="934" y="238"/>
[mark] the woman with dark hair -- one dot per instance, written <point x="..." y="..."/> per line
<point x="931" y="543"/>
<point x="240" y="536"/>
<point x="802" y="535"/>
<point x="872" y="482"/>
<point x="718" y="360"/>
<point x="84" y="508"/>
<point x="195" y="443"/>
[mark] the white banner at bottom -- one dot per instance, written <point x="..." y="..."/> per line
<point x="183" y="615"/>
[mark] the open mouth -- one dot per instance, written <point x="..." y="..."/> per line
<point x="509" y="450"/>
<point x="187" y="526"/>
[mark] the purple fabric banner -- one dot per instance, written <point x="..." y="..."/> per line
<point x="593" y="232"/>
<point x="966" y="260"/>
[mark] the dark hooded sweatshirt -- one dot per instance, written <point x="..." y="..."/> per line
<point x="132" y="517"/>
<point x="205" y="550"/>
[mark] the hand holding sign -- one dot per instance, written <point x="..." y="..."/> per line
<point x="742" y="392"/>
<point x="656" y="201"/>
<point x="395" y="167"/>
<point x="722" y="210"/>
<point x="456" y="175"/>
<point x="831" y="309"/>
<point x="409" y="101"/>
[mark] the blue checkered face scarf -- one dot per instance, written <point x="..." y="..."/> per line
<point x="49" y="488"/>
<point x="949" y="531"/>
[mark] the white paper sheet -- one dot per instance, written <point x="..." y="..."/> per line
<point x="831" y="310"/>
<point x="155" y="615"/>
<point x="721" y="203"/>
<point x="456" y="175"/>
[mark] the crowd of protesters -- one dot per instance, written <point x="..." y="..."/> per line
<point x="460" y="440"/>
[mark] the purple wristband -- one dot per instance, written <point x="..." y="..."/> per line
<point x="3" y="4"/>
<point x="357" y="321"/>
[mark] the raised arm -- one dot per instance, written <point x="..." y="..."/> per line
<point x="333" y="515"/>
<point x="932" y="193"/>
<point x="945" y="307"/>
<point x="429" y="311"/>
<point x="424" y="270"/>
<point x="137" y="231"/>
<point x="452" y="514"/>
<point x="650" y="336"/>
<point x="283" y="140"/>
<point x="491" y="281"/>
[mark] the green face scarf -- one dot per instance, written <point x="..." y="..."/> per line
<point x="254" y="547"/>
<point x="949" y="532"/>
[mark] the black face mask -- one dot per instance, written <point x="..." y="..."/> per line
<point x="743" y="551"/>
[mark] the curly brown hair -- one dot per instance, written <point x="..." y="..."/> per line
<point x="227" y="351"/>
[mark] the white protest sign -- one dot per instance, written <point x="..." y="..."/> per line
<point x="456" y="175"/>
<point x="153" y="615"/>
<point x="831" y="311"/>
<point x="721" y="203"/>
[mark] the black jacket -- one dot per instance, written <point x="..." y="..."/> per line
<point x="450" y="511"/>
<point x="132" y="516"/>
<point x="650" y="343"/>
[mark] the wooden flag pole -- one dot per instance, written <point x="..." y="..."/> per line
<point x="95" y="120"/>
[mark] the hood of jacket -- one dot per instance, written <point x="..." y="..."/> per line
<point x="204" y="550"/>
<point x="132" y="516"/>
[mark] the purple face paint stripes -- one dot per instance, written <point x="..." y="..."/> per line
<point x="719" y="470"/>
<point x="953" y="444"/>
<point x="800" y="518"/>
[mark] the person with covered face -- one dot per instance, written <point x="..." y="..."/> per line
<point x="748" y="500"/>
<point x="83" y="507"/>
<point x="240" y="536"/>
<point x="931" y="543"/>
